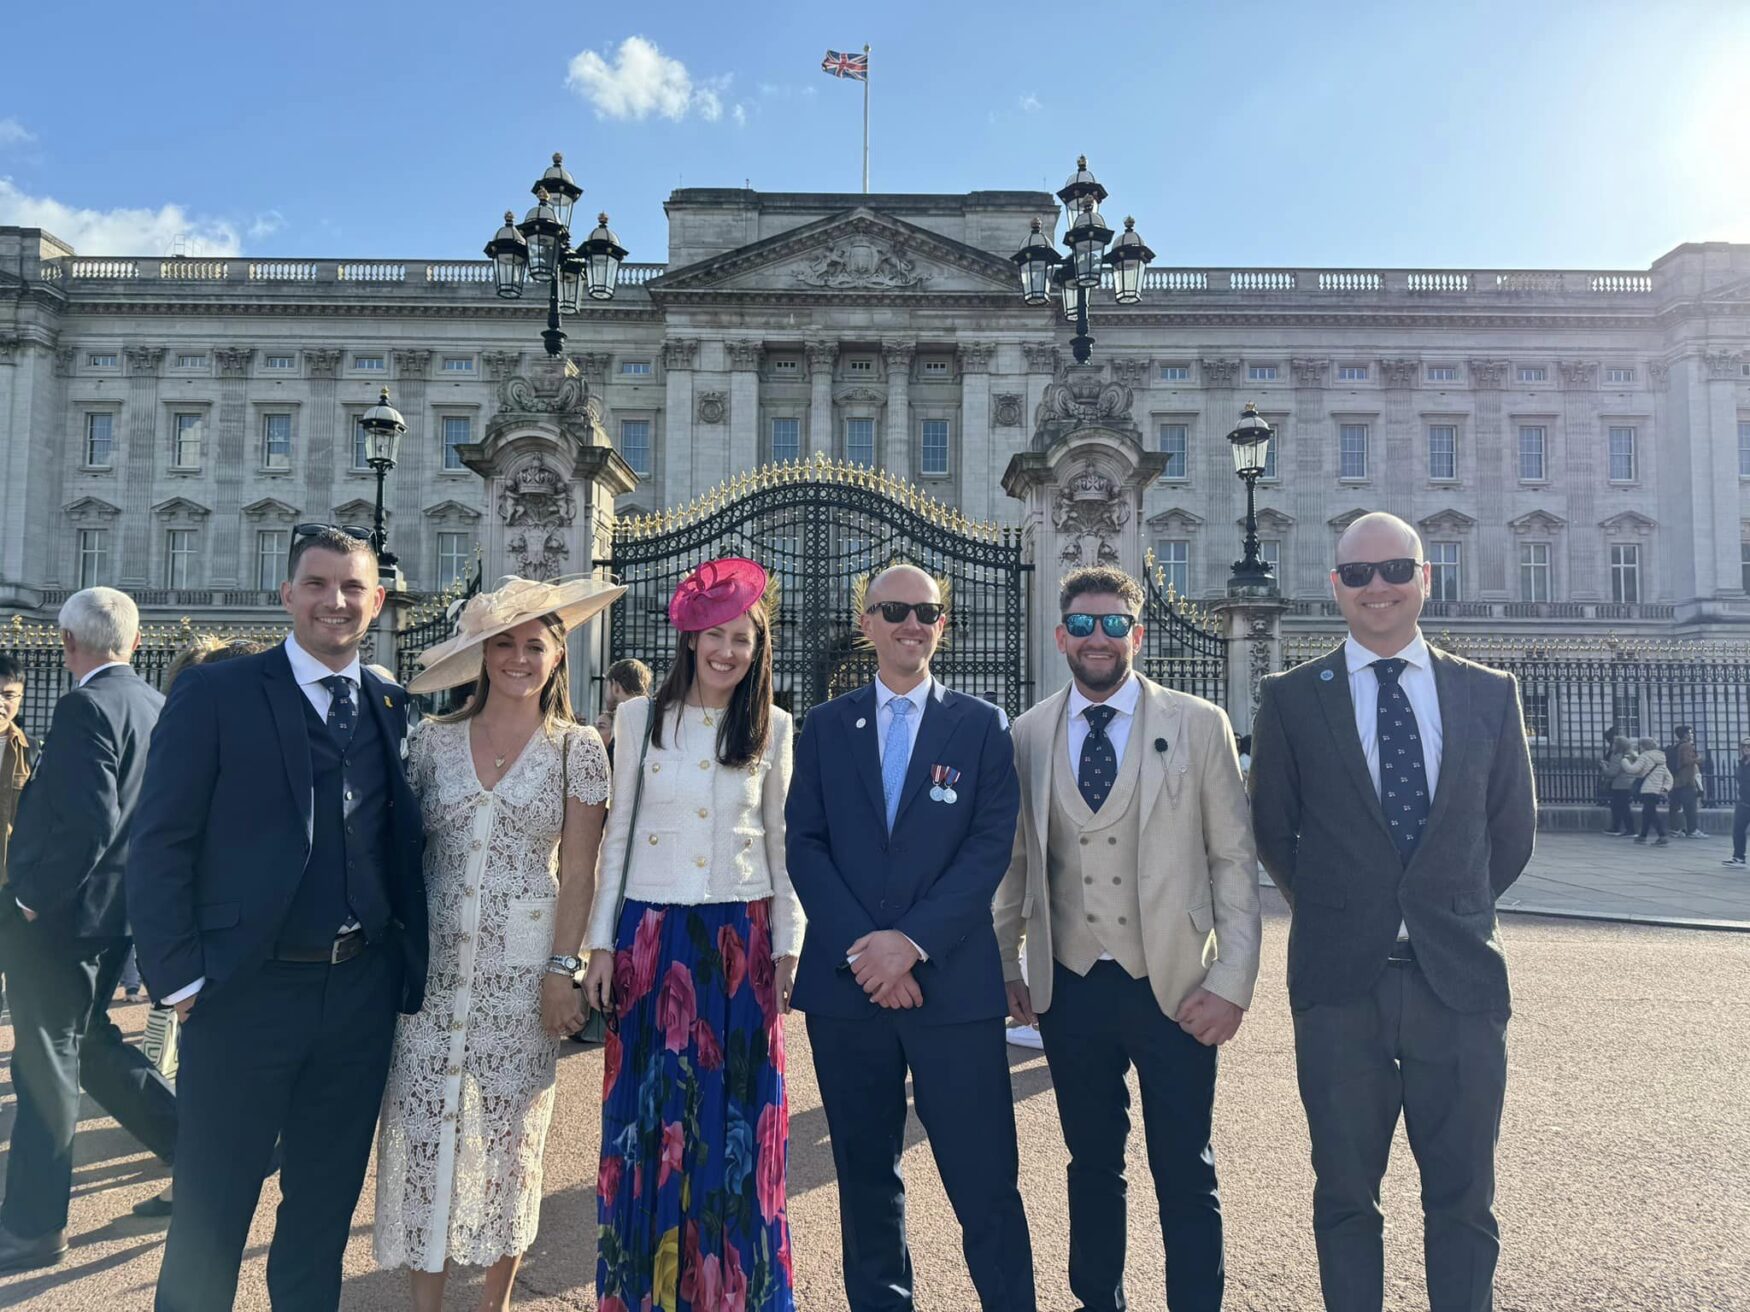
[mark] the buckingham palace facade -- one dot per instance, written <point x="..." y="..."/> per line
<point x="1573" y="444"/>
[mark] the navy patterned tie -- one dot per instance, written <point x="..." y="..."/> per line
<point x="1403" y="779"/>
<point x="1099" y="764"/>
<point x="342" y="710"/>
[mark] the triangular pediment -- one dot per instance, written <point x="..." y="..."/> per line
<point x="1447" y="521"/>
<point x="357" y="511"/>
<point x="1175" y="518"/>
<point x="90" y="508"/>
<point x="1348" y="517"/>
<point x="1271" y="519"/>
<point x="269" y="508"/>
<point x="858" y="252"/>
<point x="180" y="508"/>
<point x="1538" y="521"/>
<point x="1629" y="521"/>
<point x="451" y="510"/>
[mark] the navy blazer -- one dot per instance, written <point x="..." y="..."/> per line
<point x="70" y="837"/>
<point x="225" y="824"/>
<point x="933" y="879"/>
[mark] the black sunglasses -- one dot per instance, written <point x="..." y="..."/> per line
<point x="1358" y="573"/>
<point x="358" y="531"/>
<point x="894" y="612"/>
<point x="1079" y="624"/>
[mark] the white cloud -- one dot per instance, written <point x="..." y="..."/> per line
<point x="14" y="133"/>
<point x="739" y="114"/>
<point x="640" y="81"/>
<point x="266" y="224"/>
<point x="119" y="231"/>
<point x="1029" y="103"/>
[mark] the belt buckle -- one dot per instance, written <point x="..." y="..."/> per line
<point x="341" y="941"/>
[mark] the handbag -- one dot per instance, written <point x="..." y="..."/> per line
<point x="595" y="1026"/>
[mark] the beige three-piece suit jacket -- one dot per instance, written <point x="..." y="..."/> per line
<point x="1178" y="828"/>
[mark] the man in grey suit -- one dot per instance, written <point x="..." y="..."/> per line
<point x="1392" y="804"/>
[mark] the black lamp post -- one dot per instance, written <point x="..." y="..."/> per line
<point x="539" y="249"/>
<point x="383" y="427"/>
<point x="1074" y="275"/>
<point x="1251" y="447"/>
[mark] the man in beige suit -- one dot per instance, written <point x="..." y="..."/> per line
<point x="1135" y="881"/>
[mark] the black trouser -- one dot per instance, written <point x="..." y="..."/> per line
<point x="1686" y="809"/>
<point x="63" y="1039"/>
<point x="1740" y="824"/>
<point x="1397" y="1048"/>
<point x="1095" y="1029"/>
<point x="297" y="1053"/>
<point x="960" y="1084"/>
<point x="1650" y="815"/>
<point x="1622" y="807"/>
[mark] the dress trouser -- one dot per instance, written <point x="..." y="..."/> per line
<point x="1685" y="807"/>
<point x="960" y="1084"/>
<point x="1397" y="1048"/>
<point x="59" y="989"/>
<point x="1096" y="1028"/>
<point x="1740" y="824"/>
<point x="297" y="1053"/>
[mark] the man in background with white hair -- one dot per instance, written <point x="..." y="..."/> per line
<point x="64" y="924"/>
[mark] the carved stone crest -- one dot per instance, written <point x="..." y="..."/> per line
<point x="1083" y="397"/>
<point x="861" y="264"/>
<point x="713" y="407"/>
<point x="537" y="496"/>
<point x="1089" y="512"/>
<point x="1220" y="373"/>
<point x="1008" y="409"/>
<point x="537" y="555"/>
<point x="552" y="394"/>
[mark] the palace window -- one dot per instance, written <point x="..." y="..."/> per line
<point x="455" y="557"/>
<point x="191" y="361"/>
<point x="1744" y="571"/>
<point x="369" y="364"/>
<point x="1531" y="441"/>
<point x="93" y="557"/>
<point x="635" y="368"/>
<point x="100" y="440"/>
<point x="935" y="368"/>
<point x="178" y="557"/>
<point x="101" y="360"/>
<point x="1175" y="373"/>
<point x="1622" y="455"/>
<point x="1744" y="448"/>
<point x="1442" y="373"/>
<point x="458" y="432"/>
<point x="1534" y="571"/>
<point x="1173" y="555"/>
<point x="1351" y="373"/>
<point x="276" y="441"/>
<point x="1625" y="572"/>
<point x="1619" y="374"/>
<point x="280" y="362"/>
<point x="1535" y="703"/>
<point x="458" y="364"/>
<point x="361" y="445"/>
<point x="860" y="442"/>
<point x="1442" y="451"/>
<point x="635" y="445"/>
<point x="185" y="450"/>
<point x="1260" y="373"/>
<point x="1174" y="445"/>
<point x="1533" y="373"/>
<point x="934" y="458"/>
<point x="270" y="558"/>
<point x="1270" y="550"/>
<point x="786" y="368"/>
<point x="786" y="439"/>
<point x="1443" y="571"/>
<point x="1352" y="451"/>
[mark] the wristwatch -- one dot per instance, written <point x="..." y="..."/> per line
<point x="568" y="966"/>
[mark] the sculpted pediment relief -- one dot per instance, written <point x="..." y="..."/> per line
<point x="859" y="251"/>
<point x="1537" y="521"/>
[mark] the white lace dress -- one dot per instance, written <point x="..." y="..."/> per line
<point x="470" y="1088"/>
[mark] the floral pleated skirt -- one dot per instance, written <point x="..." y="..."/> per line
<point x="695" y="1123"/>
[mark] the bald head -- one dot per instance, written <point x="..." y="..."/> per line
<point x="1379" y="536"/>
<point x="895" y="580"/>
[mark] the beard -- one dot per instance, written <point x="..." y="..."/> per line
<point x="1096" y="680"/>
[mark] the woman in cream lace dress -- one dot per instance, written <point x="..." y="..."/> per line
<point x="512" y="792"/>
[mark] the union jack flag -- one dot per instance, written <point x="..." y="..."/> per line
<point x="855" y="67"/>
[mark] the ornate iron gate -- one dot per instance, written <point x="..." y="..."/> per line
<point x="432" y="621"/>
<point x="1182" y="645"/>
<point x="820" y="526"/>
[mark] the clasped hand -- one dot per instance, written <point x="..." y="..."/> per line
<point x="882" y="965"/>
<point x="561" y="1006"/>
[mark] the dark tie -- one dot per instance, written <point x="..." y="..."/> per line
<point x="1099" y="764"/>
<point x="1403" y="779"/>
<point x="342" y="710"/>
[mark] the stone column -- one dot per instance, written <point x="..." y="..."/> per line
<point x="682" y="438"/>
<point x="896" y="457"/>
<point x="417" y="462"/>
<point x="1585" y="476"/>
<point x="822" y="356"/>
<point x="1487" y="378"/>
<point x="1254" y="649"/>
<point x="133" y="560"/>
<point x="320" y="427"/>
<point x="32" y="400"/>
<point x="226" y="558"/>
<point x="977" y="465"/>
<point x="1713" y="494"/>
<point x="744" y="412"/>
<point x="1405" y="467"/>
<point x="1314" y="471"/>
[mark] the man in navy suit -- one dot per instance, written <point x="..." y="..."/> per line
<point x="279" y="906"/>
<point x="901" y="818"/>
<point x="64" y="926"/>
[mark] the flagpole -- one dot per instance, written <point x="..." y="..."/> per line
<point x="865" y="119"/>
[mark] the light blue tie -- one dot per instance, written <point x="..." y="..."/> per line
<point x="895" y="757"/>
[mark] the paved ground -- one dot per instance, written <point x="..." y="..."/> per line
<point x="1618" y="878"/>
<point x="1624" y="1158"/>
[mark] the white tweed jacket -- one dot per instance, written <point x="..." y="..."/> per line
<point x="705" y="832"/>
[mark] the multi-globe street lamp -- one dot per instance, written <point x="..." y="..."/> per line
<point x="1072" y="276"/>
<point x="539" y="250"/>
<point x="383" y="427"/>
<point x="1251" y="575"/>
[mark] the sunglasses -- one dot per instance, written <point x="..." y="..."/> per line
<point x="894" y="612"/>
<point x="1359" y="573"/>
<point x="1079" y="624"/>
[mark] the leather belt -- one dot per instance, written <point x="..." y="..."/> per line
<point x="1403" y="953"/>
<point x="344" y="948"/>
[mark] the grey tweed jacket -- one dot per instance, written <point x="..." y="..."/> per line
<point x="1323" y="837"/>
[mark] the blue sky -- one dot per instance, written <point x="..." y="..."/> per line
<point x="1532" y="134"/>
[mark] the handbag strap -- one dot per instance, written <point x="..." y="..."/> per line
<point x="632" y="822"/>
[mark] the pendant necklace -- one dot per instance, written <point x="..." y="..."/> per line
<point x="497" y="759"/>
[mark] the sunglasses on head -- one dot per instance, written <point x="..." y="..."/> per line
<point x="358" y="531"/>
<point x="1079" y="624"/>
<point x="894" y="612"/>
<point x="1359" y="573"/>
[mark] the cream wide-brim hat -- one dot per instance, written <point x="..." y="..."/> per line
<point x="514" y="601"/>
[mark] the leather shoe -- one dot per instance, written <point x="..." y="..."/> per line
<point x="18" y="1254"/>
<point x="158" y="1205"/>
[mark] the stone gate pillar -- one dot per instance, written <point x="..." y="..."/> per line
<point x="1082" y="479"/>
<point x="551" y="479"/>
<point x="1253" y="628"/>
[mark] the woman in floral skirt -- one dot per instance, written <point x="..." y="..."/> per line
<point x="694" y="937"/>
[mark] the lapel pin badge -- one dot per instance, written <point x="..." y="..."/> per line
<point x="388" y="702"/>
<point x="861" y="723"/>
<point x="1325" y="676"/>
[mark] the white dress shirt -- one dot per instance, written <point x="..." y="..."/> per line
<point x="1123" y="701"/>
<point x="884" y="698"/>
<point x="309" y="673"/>
<point x="1417" y="681"/>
